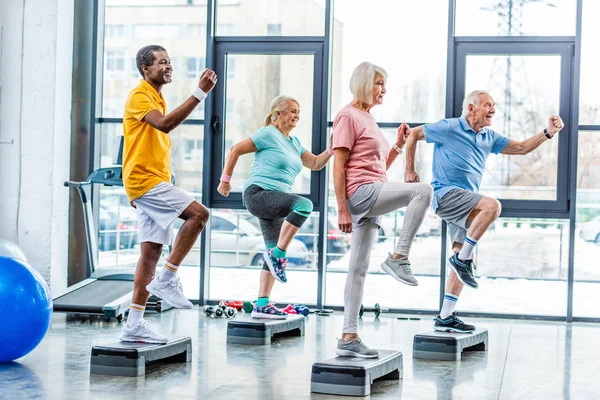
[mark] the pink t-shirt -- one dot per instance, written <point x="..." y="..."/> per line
<point x="357" y="131"/>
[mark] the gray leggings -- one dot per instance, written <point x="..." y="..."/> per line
<point x="271" y="207"/>
<point x="394" y="195"/>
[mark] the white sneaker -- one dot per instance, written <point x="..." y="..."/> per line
<point x="142" y="332"/>
<point x="170" y="291"/>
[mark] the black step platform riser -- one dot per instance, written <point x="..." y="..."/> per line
<point x="130" y="359"/>
<point x="446" y="346"/>
<point x="354" y="376"/>
<point x="252" y="331"/>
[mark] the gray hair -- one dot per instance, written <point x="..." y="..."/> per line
<point x="279" y="104"/>
<point x="361" y="82"/>
<point x="471" y="98"/>
<point x="145" y="56"/>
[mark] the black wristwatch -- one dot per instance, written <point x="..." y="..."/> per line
<point x="547" y="134"/>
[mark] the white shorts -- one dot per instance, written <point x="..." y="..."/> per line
<point x="157" y="209"/>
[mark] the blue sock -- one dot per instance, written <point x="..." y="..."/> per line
<point x="279" y="253"/>
<point x="262" y="301"/>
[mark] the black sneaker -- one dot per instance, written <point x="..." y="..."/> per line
<point x="464" y="270"/>
<point x="452" y="324"/>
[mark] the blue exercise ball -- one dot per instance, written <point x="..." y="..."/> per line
<point x="11" y="250"/>
<point x="26" y="307"/>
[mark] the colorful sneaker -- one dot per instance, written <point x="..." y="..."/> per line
<point x="464" y="270"/>
<point x="170" y="291"/>
<point x="276" y="265"/>
<point x="400" y="270"/>
<point x="355" y="348"/>
<point x="142" y="332"/>
<point x="268" y="312"/>
<point x="452" y="324"/>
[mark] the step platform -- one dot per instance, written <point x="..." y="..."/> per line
<point x="353" y="376"/>
<point x="247" y="330"/>
<point x="130" y="359"/>
<point x="448" y="346"/>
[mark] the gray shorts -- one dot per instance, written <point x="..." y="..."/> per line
<point x="454" y="208"/>
<point x="157" y="209"/>
<point x="362" y="201"/>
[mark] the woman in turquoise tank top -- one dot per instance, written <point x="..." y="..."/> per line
<point x="278" y="159"/>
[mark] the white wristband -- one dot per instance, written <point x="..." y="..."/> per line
<point x="398" y="149"/>
<point x="199" y="94"/>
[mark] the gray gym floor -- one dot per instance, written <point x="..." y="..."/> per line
<point x="526" y="360"/>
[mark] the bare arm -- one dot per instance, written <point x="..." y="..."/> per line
<point x="411" y="146"/>
<point x="166" y="123"/>
<point x="339" y="184"/>
<point x="526" y="146"/>
<point x="315" y="163"/>
<point x="244" y="147"/>
<point x="403" y="133"/>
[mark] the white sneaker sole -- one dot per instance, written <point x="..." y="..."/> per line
<point x="348" y="353"/>
<point x="131" y="339"/>
<point x="155" y="293"/>
<point x="458" y="275"/>
<point x="271" y="267"/>
<point x="267" y="316"/>
<point x="389" y="271"/>
<point x="442" y="329"/>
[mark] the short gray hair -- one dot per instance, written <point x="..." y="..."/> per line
<point x="145" y="56"/>
<point x="471" y="98"/>
<point x="361" y="82"/>
<point x="279" y="104"/>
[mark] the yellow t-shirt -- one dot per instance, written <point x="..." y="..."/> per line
<point x="147" y="151"/>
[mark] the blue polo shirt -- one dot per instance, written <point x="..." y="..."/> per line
<point x="459" y="155"/>
<point x="277" y="161"/>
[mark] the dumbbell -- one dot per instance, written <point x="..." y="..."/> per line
<point x="237" y="304"/>
<point x="229" y="312"/>
<point x="301" y="309"/>
<point x="377" y="310"/>
<point x="247" y="306"/>
<point x="213" y="311"/>
<point x="289" y="309"/>
<point x="325" y="312"/>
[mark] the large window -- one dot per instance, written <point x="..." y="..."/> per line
<point x="270" y="18"/>
<point x="515" y="18"/>
<point x="178" y="29"/>
<point x="587" y="233"/>
<point x="524" y="103"/>
<point x="384" y="33"/>
<point x="254" y="80"/>
<point x="589" y="103"/>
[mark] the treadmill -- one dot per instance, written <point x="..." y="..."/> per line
<point x="108" y="291"/>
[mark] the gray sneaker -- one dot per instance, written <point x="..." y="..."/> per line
<point x="355" y="348"/>
<point x="399" y="269"/>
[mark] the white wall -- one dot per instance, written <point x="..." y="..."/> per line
<point x="35" y="111"/>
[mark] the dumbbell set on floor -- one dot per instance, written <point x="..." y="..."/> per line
<point x="377" y="310"/>
<point x="220" y="310"/>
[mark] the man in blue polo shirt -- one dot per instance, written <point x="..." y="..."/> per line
<point x="462" y="146"/>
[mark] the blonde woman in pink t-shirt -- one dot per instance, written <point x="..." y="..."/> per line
<point x="362" y="157"/>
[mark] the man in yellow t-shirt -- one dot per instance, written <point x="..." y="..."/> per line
<point x="147" y="181"/>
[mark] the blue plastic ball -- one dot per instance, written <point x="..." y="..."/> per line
<point x="26" y="308"/>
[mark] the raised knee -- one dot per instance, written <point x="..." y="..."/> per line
<point x="497" y="207"/>
<point x="304" y="206"/>
<point x="427" y="191"/>
<point x="201" y="216"/>
<point x="494" y="207"/>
